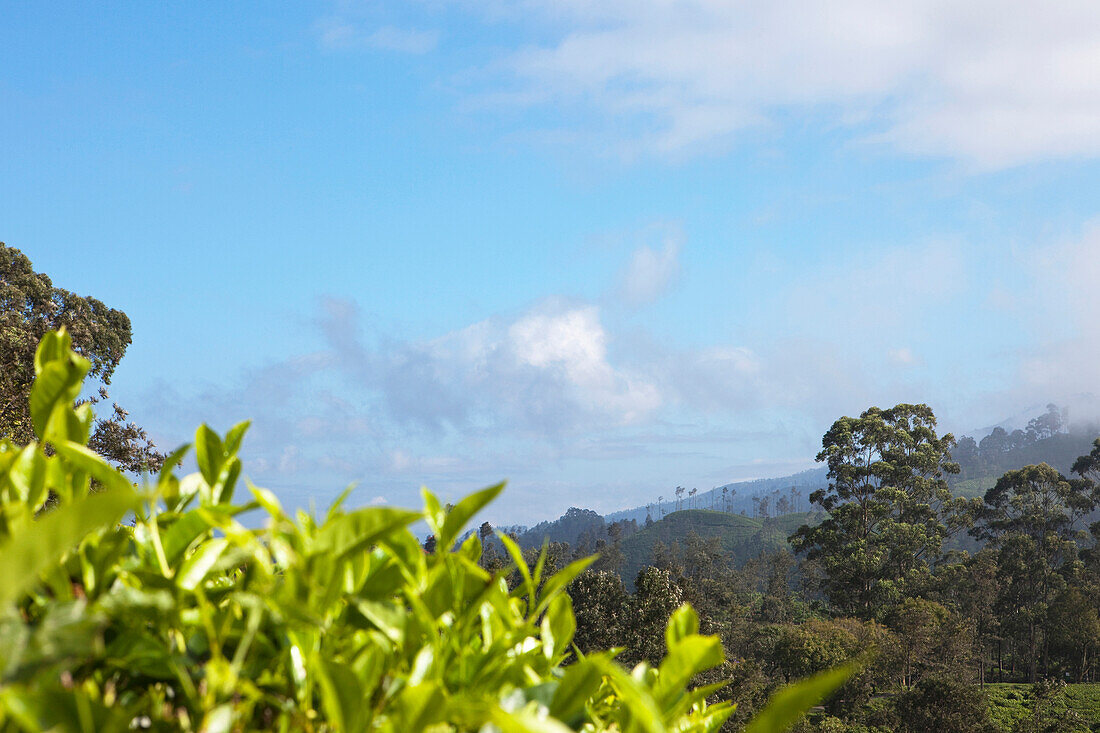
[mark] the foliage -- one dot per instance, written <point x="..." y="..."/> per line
<point x="1047" y="707"/>
<point x="185" y="619"/>
<point x="889" y="508"/>
<point x="30" y="306"/>
<point x="741" y="538"/>
<point x="1029" y="521"/>
<point x="943" y="704"/>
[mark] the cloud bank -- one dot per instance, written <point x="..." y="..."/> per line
<point x="571" y="395"/>
<point x="993" y="83"/>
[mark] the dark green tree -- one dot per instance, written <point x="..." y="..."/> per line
<point x="1075" y="631"/>
<point x="970" y="587"/>
<point x="945" y="705"/>
<point x="1088" y="466"/>
<point x="889" y="506"/>
<point x="1030" y="519"/>
<point x="602" y="608"/>
<point x="931" y="641"/>
<point x="30" y="306"/>
<point x="656" y="596"/>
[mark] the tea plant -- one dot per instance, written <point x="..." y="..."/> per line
<point x="155" y="608"/>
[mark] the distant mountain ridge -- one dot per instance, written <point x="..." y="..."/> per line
<point x="736" y="499"/>
<point x="741" y="537"/>
<point x="750" y="516"/>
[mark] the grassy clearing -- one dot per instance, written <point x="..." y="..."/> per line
<point x="1011" y="703"/>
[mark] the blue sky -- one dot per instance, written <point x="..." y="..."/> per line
<point x="598" y="249"/>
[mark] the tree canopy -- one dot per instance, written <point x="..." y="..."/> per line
<point x="889" y="507"/>
<point x="30" y="307"/>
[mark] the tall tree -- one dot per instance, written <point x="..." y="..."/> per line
<point x="30" y="306"/>
<point x="1030" y="519"/>
<point x="889" y="506"/>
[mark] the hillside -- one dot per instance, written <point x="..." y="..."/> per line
<point x="740" y="536"/>
<point x="567" y="528"/>
<point x="735" y="497"/>
<point x="982" y="466"/>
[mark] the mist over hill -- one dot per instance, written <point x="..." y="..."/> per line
<point x="750" y="517"/>
<point x="736" y="497"/>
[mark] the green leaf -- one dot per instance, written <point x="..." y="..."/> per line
<point x="234" y="437"/>
<point x="341" y="696"/>
<point x="556" y="583"/>
<point x="167" y="486"/>
<point x="579" y="683"/>
<point x="639" y="704"/>
<point x="417" y="707"/>
<point x="682" y="623"/>
<point x="434" y="514"/>
<point x="88" y="461"/>
<point x="227" y="481"/>
<point x="561" y="622"/>
<point x="790" y="703"/>
<point x="200" y="562"/>
<point x="517" y="558"/>
<point x="59" y="372"/>
<point x="463" y="511"/>
<point x="56" y="386"/>
<point x="43" y="544"/>
<point x="137" y="651"/>
<point x="267" y="500"/>
<point x="360" y="529"/>
<point x="28" y="475"/>
<point x="58" y="709"/>
<point x="687" y="658"/>
<point x="209" y="453"/>
<point x="338" y="503"/>
<point x="54" y="346"/>
<point x="422" y="664"/>
<point x="527" y="720"/>
<point x="185" y="530"/>
<point x="218" y="720"/>
<point x="387" y="617"/>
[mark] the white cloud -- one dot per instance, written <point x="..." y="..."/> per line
<point x="547" y="368"/>
<point x="566" y="391"/>
<point x="903" y="357"/>
<point x="403" y="40"/>
<point x="991" y="82"/>
<point x="546" y="371"/>
<point x="1061" y="303"/>
<point x="651" y="272"/>
<point x="337" y="33"/>
<point x="868" y="297"/>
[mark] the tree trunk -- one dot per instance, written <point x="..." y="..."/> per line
<point x="1032" y="667"/>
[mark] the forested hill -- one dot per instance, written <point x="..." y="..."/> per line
<point x="740" y="538"/>
<point x="751" y="516"/>
<point x="737" y="497"/>
<point x="1047" y="438"/>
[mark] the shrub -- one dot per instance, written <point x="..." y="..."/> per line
<point x="156" y="608"/>
<point x="944" y="704"/>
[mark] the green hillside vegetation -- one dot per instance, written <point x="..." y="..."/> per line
<point x="1044" y="706"/>
<point x="742" y="538"/>
<point x="973" y="488"/>
<point x="1048" y="438"/>
<point x="568" y="528"/>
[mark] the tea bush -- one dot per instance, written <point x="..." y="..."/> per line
<point x="155" y="608"/>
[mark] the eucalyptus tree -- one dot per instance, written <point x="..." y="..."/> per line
<point x="889" y="507"/>
<point x="1030" y="519"/>
<point x="30" y="307"/>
